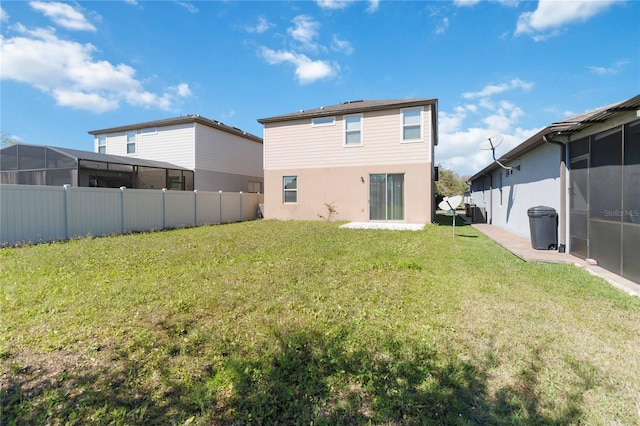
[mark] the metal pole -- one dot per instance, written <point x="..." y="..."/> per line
<point x="453" y="217"/>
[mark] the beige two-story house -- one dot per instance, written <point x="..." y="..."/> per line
<point x="368" y="160"/>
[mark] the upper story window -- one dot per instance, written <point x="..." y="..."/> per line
<point x="323" y="121"/>
<point x="290" y="189"/>
<point x="353" y="130"/>
<point x="412" y="125"/>
<point x="149" y="131"/>
<point x="102" y="144"/>
<point x="131" y="142"/>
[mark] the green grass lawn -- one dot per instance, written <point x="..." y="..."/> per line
<point x="270" y="322"/>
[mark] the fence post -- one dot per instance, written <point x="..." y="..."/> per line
<point x="66" y="210"/>
<point x="220" y="192"/>
<point x="122" y="188"/>
<point x="241" y="206"/>
<point x="195" y="207"/>
<point x="164" y="208"/>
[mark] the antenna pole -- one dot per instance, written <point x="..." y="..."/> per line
<point x="493" y="153"/>
<point x="453" y="217"/>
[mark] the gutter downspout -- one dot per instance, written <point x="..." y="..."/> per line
<point x="563" y="230"/>
<point x="490" y="214"/>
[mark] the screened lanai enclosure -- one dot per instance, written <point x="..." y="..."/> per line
<point x="45" y="165"/>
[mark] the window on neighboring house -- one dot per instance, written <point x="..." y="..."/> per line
<point x="353" y="130"/>
<point x="131" y="142"/>
<point x="323" y="121"/>
<point x="102" y="144"/>
<point x="412" y="125"/>
<point x="290" y="186"/>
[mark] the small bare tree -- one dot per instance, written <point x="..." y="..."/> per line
<point x="331" y="211"/>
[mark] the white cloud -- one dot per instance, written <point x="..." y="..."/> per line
<point x="189" y="6"/>
<point x="86" y="101"/>
<point x="341" y="45"/>
<point x="334" y="4"/>
<point x="4" y="16"/>
<point x="465" y="3"/>
<point x="611" y="70"/>
<point x="494" y="89"/>
<point x="442" y="26"/>
<point x="68" y="72"/>
<point x="307" y="71"/>
<point x="63" y="15"/>
<point x="304" y="30"/>
<point x="551" y="15"/>
<point x="374" y="5"/>
<point x="466" y="126"/>
<point x="262" y="26"/>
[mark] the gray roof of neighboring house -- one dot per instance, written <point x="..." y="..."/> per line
<point x="567" y="126"/>
<point x="80" y="155"/>
<point x="185" y="119"/>
<point x="351" y="107"/>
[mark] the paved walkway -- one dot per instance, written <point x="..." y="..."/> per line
<point x="521" y="247"/>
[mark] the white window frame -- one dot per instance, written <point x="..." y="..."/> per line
<point x="402" y="125"/>
<point x="149" y="131"/>
<point x="323" y="121"/>
<point x="346" y="131"/>
<point x="286" y="190"/>
<point x="134" y="143"/>
<point x="102" y="143"/>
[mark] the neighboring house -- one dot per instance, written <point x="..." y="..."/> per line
<point x="54" y="166"/>
<point x="368" y="160"/>
<point x="223" y="158"/>
<point x="585" y="167"/>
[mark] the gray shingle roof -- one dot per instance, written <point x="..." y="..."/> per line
<point x="350" y="107"/>
<point x="193" y="118"/>
<point x="564" y="127"/>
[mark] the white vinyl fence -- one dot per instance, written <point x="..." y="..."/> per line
<point x="34" y="214"/>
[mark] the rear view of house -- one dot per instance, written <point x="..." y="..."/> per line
<point x="223" y="158"/>
<point x="368" y="160"/>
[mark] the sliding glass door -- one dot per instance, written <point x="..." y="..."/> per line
<point x="386" y="197"/>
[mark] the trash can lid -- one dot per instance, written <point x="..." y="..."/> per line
<point x="541" y="211"/>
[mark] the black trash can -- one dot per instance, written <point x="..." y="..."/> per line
<point x="543" y="224"/>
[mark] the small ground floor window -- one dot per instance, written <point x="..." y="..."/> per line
<point x="290" y="189"/>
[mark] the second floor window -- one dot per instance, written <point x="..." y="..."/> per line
<point x="412" y="124"/>
<point x="102" y="144"/>
<point x="131" y="142"/>
<point x="353" y="130"/>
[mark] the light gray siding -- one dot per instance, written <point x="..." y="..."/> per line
<point x="174" y="144"/>
<point x="536" y="183"/>
<point x="226" y="153"/>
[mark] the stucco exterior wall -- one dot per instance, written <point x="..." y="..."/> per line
<point x="345" y="189"/>
<point x="536" y="183"/>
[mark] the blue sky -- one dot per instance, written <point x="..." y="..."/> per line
<point x="503" y="67"/>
